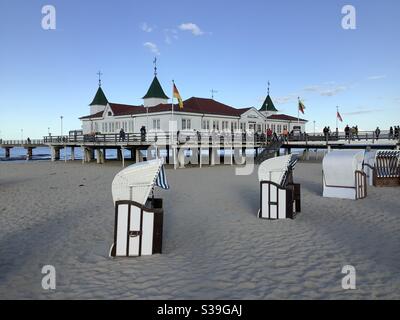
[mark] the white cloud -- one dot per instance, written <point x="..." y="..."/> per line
<point x="152" y="47"/>
<point x="313" y="88"/>
<point x="362" y="110"/>
<point x="146" y="28"/>
<point x="377" y="77"/>
<point x="333" y="91"/>
<point x="286" y="99"/>
<point x="326" y="91"/>
<point x="192" y="27"/>
<point x="170" y="35"/>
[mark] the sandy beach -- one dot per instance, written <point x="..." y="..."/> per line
<point x="62" y="214"/>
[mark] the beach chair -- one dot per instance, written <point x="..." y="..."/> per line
<point x="279" y="196"/>
<point x="343" y="175"/>
<point x="386" y="171"/>
<point x="138" y="215"/>
<point x="369" y="166"/>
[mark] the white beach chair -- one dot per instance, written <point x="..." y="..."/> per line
<point x="138" y="218"/>
<point x="386" y="171"/>
<point x="369" y="165"/>
<point x="343" y="175"/>
<point x="279" y="196"/>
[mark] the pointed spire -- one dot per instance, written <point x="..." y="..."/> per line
<point x="100" y="98"/>
<point x="268" y="104"/>
<point x="155" y="90"/>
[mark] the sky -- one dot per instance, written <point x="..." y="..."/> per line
<point x="234" y="47"/>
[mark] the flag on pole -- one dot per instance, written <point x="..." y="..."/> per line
<point x="178" y="96"/>
<point x="339" y="117"/>
<point x="302" y="107"/>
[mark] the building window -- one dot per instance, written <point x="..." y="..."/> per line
<point x="156" y="124"/>
<point x="109" y="114"/>
<point x="273" y="127"/>
<point x="206" y="125"/>
<point x="259" y="127"/>
<point x="216" y="125"/>
<point x="279" y="128"/>
<point x="186" y="124"/>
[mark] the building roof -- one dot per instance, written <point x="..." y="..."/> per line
<point x="99" y="99"/>
<point x="155" y="90"/>
<point x="192" y="105"/>
<point x="284" y="117"/>
<point x="268" y="105"/>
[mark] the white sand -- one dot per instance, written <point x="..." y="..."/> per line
<point x="214" y="246"/>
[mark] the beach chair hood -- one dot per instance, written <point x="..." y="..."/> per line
<point x="136" y="181"/>
<point x="274" y="169"/>
<point x="340" y="167"/>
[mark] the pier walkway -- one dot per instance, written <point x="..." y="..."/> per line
<point x="220" y="147"/>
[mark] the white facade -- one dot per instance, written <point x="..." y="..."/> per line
<point x="251" y="120"/>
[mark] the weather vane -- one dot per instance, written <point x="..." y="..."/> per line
<point x="212" y="93"/>
<point x="155" y="66"/>
<point x="99" y="74"/>
<point x="268" y="86"/>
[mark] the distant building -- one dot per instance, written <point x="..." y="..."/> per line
<point x="198" y="114"/>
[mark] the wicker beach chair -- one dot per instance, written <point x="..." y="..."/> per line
<point x="343" y="175"/>
<point x="138" y="217"/>
<point x="386" y="171"/>
<point x="279" y="195"/>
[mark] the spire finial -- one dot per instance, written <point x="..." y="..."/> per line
<point x="99" y="74"/>
<point x="212" y="93"/>
<point x="268" y="86"/>
<point x="155" y="66"/>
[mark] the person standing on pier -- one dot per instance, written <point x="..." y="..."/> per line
<point x="391" y="133"/>
<point x="347" y="132"/>
<point x="377" y="133"/>
<point x="143" y="133"/>
<point x="122" y="135"/>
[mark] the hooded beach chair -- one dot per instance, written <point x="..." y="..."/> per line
<point x="386" y="171"/>
<point x="343" y="175"/>
<point x="138" y="215"/>
<point x="369" y="166"/>
<point x="279" y="196"/>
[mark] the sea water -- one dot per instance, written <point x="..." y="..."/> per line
<point x="43" y="153"/>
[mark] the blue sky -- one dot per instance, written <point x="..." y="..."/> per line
<point x="234" y="47"/>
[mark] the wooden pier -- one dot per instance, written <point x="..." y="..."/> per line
<point x="173" y="146"/>
<point x="28" y="145"/>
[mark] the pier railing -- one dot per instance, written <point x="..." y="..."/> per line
<point x="220" y="137"/>
<point x="16" y="143"/>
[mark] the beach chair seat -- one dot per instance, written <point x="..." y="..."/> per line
<point x="386" y="171"/>
<point x="343" y="175"/>
<point x="280" y="197"/>
<point x="138" y="227"/>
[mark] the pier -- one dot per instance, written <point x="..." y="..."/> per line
<point x="28" y="145"/>
<point x="221" y="148"/>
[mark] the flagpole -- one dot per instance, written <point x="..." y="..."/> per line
<point x="172" y="108"/>
<point x="298" y="113"/>
<point x="337" y="120"/>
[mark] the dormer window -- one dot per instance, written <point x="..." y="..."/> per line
<point x="109" y="113"/>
